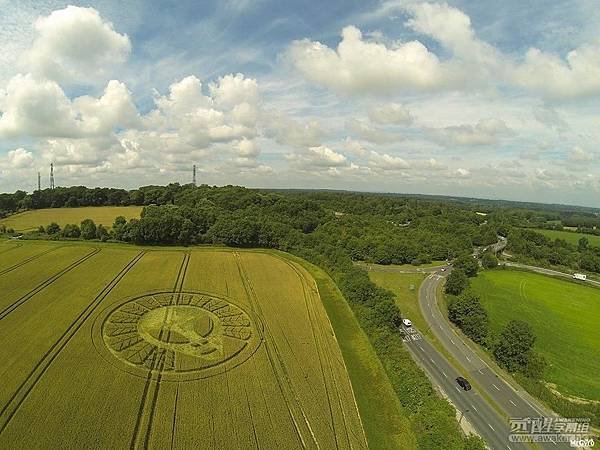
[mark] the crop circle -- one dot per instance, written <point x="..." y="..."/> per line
<point x="181" y="336"/>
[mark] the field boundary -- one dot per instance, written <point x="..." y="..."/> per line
<point x="305" y="285"/>
<point x="44" y="284"/>
<point x="17" y="399"/>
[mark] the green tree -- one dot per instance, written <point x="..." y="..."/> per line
<point x="88" y="229"/>
<point x="467" y="263"/>
<point x="53" y="228"/>
<point x="514" y="346"/>
<point x="102" y="233"/>
<point x="468" y="313"/>
<point x="387" y="313"/>
<point x="489" y="260"/>
<point x="583" y="244"/>
<point x="456" y="282"/>
<point x="71" y="231"/>
<point x="536" y="365"/>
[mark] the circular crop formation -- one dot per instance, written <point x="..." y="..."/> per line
<point x="182" y="336"/>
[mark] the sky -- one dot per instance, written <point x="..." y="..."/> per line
<point x="473" y="98"/>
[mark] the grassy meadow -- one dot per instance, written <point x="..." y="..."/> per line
<point x="105" y="215"/>
<point x="564" y="316"/>
<point x="406" y="298"/>
<point x="570" y="236"/>
<point x="130" y="347"/>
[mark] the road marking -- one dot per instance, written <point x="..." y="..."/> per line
<point x="508" y="447"/>
<point x="513" y="403"/>
<point x="468" y="359"/>
<point x="491" y="427"/>
<point x="457" y="388"/>
<point x="472" y="406"/>
<point x="452" y="341"/>
<point x="497" y="388"/>
<point x="480" y="371"/>
<point x="433" y="362"/>
<point x="444" y="373"/>
<point x="421" y="348"/>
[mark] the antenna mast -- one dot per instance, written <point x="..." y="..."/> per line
<point x="194" y="175"/>
<point x="51" y="175"/>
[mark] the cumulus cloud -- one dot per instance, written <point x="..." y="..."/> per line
<point x="32" y="107"/>
<point x="201" y="120"/>
<point x="385" y="161"/>
<point x="390" y="114"/>
<point x="372" y="66"/>
<point x="288" y="131"/>
<point x="484" y="132"/>
<point x="19" y="158"/>
<point x="76" y="44"/>
<point x="360" y="66"/>
<point x="318" y="157"/>
<point x="580" y="156"/>
<point x="369" y="133"/>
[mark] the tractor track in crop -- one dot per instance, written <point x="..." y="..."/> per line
<point x="25" y="261"/>
<point x="143" y="428"/>
<point x="276" y="362"/>
<point x="44" y="284"/>
<point x="21" y="394"/>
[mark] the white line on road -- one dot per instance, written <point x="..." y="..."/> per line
<point x="472" y="406"/>
<point x="480" y="371"/>
<point x="457" y="388"/>
<point x="468" y="359"/>
<point x="491" y="427"/>
<point x="512" y="403"/>
<point x="444" y="373"/>
<point x="432" y="361"/>
<point x="421" y="348"/>
<point x="452" y="341"/>
<point x="497" y="388"/>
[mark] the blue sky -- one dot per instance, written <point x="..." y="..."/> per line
<point x="477" y="98"/>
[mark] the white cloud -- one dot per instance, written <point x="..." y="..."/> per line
<point x="33" y="107"/>
<point x="75" y="44"/>
<point x="288" y="131"/>
<point x="384" y="161"/>
<point x="390" y="114"/>
<point x="372" y="134"/>
<point x="19" y="158"/>
<point x="549" y="117"/>
<point x="484" y="132"/>
<point x="360" y="66"/>
<point x="318" y="157"/>
<point x="247" y="149"/>
<point x="36" y="108"/>
<point x="580" y="156"/>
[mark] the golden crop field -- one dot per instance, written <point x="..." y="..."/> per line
<point x="105" y="215"/>
<point x="124" y="347"/>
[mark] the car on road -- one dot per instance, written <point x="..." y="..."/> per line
<point x="406" y="323"/>
<point x="463" y="383"/>
<point x="443" y="269"/>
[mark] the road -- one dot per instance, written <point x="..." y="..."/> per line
<point x="488" y="422"/>
<point x="545" y="271"/>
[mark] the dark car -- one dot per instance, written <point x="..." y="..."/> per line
<point x="463" y="383"/>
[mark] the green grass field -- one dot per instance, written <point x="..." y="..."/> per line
<point x="129" y="347"/>
<point x="407" y="299"/>
<point x="570" y="236"/>
<point x="564" y="316"/>
<point x="105" y="215"/>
